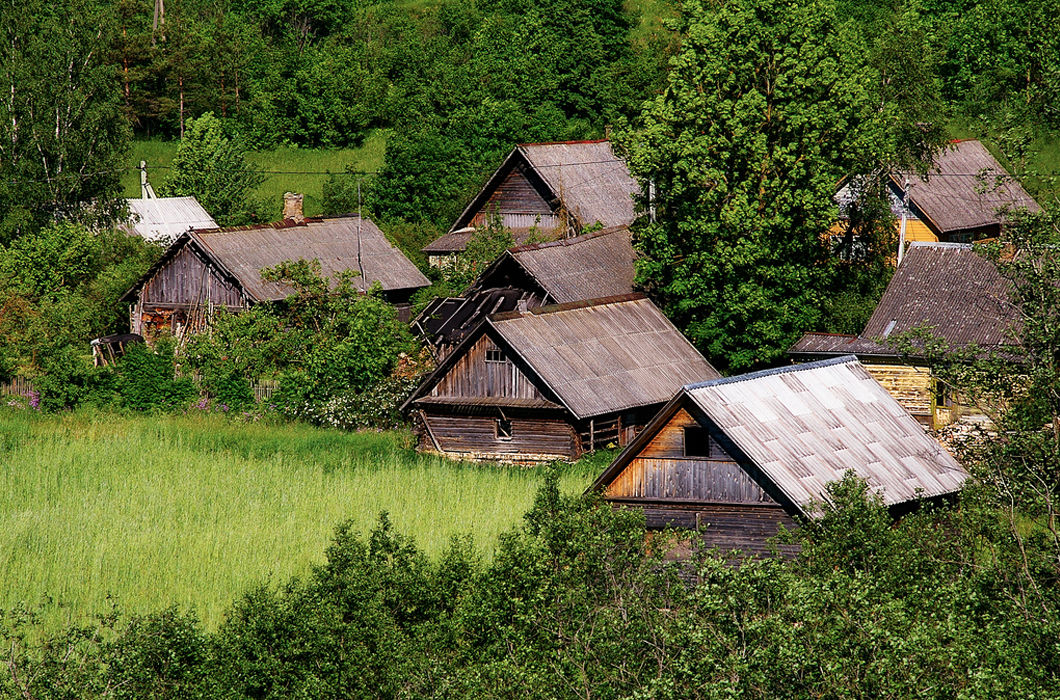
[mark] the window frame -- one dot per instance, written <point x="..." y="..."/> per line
<point x="499" y="434"/>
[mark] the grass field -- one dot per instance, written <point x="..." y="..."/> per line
<point x="368" y="157"/>
<point x="194" y="510"/>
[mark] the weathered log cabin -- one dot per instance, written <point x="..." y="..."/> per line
<point x="736" y="458"/>
<point x="204" y="270"/>
<point x="590" y="266"/>
<point x="964" y="198"/>
<point x="947" y="289"/>
<point x="554" y="382"/>
<point x="553" y="189"/>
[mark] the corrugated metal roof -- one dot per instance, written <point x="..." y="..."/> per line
<point x="163" y="219"/>
<point x="805" y="426"/>
<point x="946" y="287"/>
<point x="245" y="251"/>
<point x="954" y="198"/>
<point x="604" y="356"/>
<point x="952" y="289"/>
<point x="590" y="266"/>
<point x="587" y="178"/>
<point x="456" y="241"/>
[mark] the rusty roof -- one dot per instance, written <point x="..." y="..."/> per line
<point x="589" y="266"/>
<point x="596" y="357"/>
<point x="605" y="355"/>
<point x="965" y="189"/>
<point x="945" y="287"/>
<point x="801" y="427"/>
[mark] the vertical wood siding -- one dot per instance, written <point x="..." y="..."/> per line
<point x="187" y="280"/>
<point x="477" y="434"/>
<point x="515" y="195"/>
<point x="661" y="472"/>
<point x="472" y="376"/>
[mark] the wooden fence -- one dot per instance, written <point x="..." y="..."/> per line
<point x="19" y="386"/>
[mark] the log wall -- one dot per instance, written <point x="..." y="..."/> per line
<point x="533" y="438"/>
<point x="745" y="528"/>
<point x="910" y="386"/>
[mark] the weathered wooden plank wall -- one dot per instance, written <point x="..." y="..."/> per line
<point x="472" y="377"/>
<point x="186" y="279"/>
<point x="910" y="386"/>
<point x="478" y="435"/>
<point x="728" y="527"/>
<point x="518" y="204"/>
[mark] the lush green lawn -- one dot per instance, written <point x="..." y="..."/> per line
<point x="193" y="510"/>
<point x="297" y="161"/>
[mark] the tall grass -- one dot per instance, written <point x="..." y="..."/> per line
<point x="195" y="510"/>
<point x="306" y="166"/>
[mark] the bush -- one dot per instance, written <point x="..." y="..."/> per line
<point x="146" y="379"/>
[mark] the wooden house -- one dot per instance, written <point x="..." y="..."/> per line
<point x="590" y="266"/>
<point x="204" y="270"/>
<point x="554" y="382"/>
<point x="554" y="189"/>
<point x="947" y="288"/>
<point x="163" y="219"/>
<point x="962" y="199"/>
<point x="738" y="457"/>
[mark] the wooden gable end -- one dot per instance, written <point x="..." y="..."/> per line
<point x="518" y="202"/>
<point x="187" y="279"/>
<point x="487" y="370"/>
<point x="682" y="463"/>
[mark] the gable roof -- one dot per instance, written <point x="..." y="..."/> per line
<point x="596" y="357"/>
<point x="163" y="219"/>
<point x="801" y="427"/>
<point x="243" y="251"/>
<point x="584" y="177"/>
<point x="965" y="189"/>
<point x="947" y="287"/>
<point x="589" y="266"/>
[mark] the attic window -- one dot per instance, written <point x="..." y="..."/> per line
<point x="495" y="355"/>
<point x="504" y="429"/>
<point x="890" y="327"/>
<point x="697" y="442"/>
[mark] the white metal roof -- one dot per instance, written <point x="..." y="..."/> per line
<point x="163" y="219"/>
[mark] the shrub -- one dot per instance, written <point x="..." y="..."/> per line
<point x="146" y="379"/>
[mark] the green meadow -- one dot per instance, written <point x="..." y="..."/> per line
<point x="286" y="168"/>
<point x="150" y="511"/>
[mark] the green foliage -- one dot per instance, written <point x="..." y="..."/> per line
<point x="62" y="138"/>
<point x="212" y="167"/>
<point x="146" y="379"/>
<point x="766" y="108"/>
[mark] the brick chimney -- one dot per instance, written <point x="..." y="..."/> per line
<point x="292" y="207"/>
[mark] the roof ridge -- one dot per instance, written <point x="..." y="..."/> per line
<point x="568" y="306"/>
<point x="562" y="143"/>
<point x="940" y="244"/>
<point x="842" y="360"/>
<point x="281" y="224"/>
<point x="573" y="240"/>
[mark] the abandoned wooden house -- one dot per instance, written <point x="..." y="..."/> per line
<point x="946" y="288"/>
<point x="963" y="198"/>
<point x="590" y="266"/>
<point x="553" y="189"/>
<point x="554" y="382"/>
<point x="205" y="270"/>
<point x="163" y="219"/>
<point x="738" y="457"/>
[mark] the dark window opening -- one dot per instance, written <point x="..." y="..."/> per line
<point x="495" y="355"/>
<point x="943" y="395"/>
<point x="504" y="429"/>
<point x="697" y="442"/>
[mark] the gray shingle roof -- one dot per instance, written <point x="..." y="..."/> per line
<point x="163" y="219"/>
<point x="587" y="177"/>
<point x="590" y="266"/>
<point x="604" y="356"/>
<point x="954" y="198"/>
<point x="807" y="425"/>
<point x="947" y="287"/>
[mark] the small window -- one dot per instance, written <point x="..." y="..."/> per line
<point x="943" y="395"/>
<point x="495" y="355"/>
<point x="504" y="429"/>
<point x="697" y="442"/>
